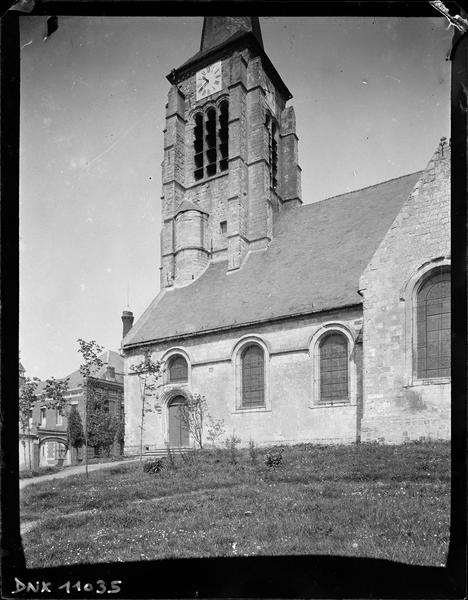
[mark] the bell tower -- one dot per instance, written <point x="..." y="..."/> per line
<point x="230" y="152"/>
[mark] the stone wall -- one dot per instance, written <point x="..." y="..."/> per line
<point x="241" y="196"/>
<point x="398" y="406"/>
<point x="291" y="414"/>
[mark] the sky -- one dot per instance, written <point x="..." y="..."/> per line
<point x="371" y="96"/>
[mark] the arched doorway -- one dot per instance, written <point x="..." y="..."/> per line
<point x="178" y="433"/>
<point x="52" y="451"/>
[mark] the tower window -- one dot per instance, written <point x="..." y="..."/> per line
<point x="211" y="141"/>
<point x="272" y="129"/>
<point x="223" y="133"/>
<point x="198" y="146"/>
<point x="223" y="227"/>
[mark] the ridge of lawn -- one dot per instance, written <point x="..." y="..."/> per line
<point x="369" y="500"/>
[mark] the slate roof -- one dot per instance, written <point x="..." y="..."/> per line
<point x="313" y="263"/>
<point x="188" y="205"/>
<point x="217" y="29"/>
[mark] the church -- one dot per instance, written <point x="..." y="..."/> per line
<point x="321" y="323"/>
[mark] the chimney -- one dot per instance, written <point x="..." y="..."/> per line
<point x="127" y="321"/>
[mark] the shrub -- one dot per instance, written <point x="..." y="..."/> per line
<point x="231" y="444"/>
<point x="273" y="459"/>
<point x="216" y="430"/>
<point x="188" y="458"/>
<point x="153" y="466"/>
<point x="253" y="452"/>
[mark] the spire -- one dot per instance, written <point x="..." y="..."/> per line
<point x="217" y="30"/>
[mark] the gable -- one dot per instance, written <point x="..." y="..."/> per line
<point x="313" y="263"/>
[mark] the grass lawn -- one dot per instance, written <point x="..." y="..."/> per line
<point x="368" y="500"/>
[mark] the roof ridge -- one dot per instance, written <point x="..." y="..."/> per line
<point x="366" y="187"/>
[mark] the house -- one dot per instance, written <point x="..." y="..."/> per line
<point x="326" y="322"/>
<point x="46" y="437"/>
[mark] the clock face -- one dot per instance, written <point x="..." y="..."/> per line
<point x="208" y="80"/>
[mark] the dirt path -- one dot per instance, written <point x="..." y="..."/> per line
<point x="73" y="471"/>
<point x="27" y="526"/>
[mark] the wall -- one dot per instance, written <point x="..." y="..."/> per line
<point x="242" y="195"/>
<point x="291" y="414"/>
<point x="397" y="407"/>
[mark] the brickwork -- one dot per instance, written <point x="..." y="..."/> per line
<point x="397" y="406"/>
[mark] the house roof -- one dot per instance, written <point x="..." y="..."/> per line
<point x="313" y="263"/>
<point x="75" y="379"/>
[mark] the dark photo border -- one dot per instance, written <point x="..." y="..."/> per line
<point x="314" y="576"/>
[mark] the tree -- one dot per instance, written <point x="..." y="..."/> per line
<point x="193" y="414"/>
<point x="54" y="393"/>
<point x="75" y="431"/>
<point x="27" y="400"/>
<point x="102" y="428"/>
<point x="90" y="352"/>
<point x="149" y="373"/>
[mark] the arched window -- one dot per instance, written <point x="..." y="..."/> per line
<point x="253" y="376"/>
<point x="223" y="134"/>
<point x="178" y="370"/>
<point x="211" y="141"/>
<point x="333" y="352"/>
<point x="198" y="146"/>
<point x="433" y="327"/>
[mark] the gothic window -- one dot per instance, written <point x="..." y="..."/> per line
<point x="178" y="370"/>
<point x="43" y="417"/>
<point x="333" y="353"/>
<point x="198" y="146"/>
<point x="272" y="129"/>
<point x="433" y="327"/>
<point x="58" y="416"/>
<point x="223" y="134"/>
<point x="253" y="376"/>
<point x="223" y="227"/>
<point x="211" y="141"/>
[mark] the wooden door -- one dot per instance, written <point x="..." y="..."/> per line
<point x="178" y="434"/>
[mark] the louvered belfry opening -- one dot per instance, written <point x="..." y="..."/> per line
<point x="272" y="132"/>
<point x="211" y="141"/>
<point x="198" y="147"/>
<point x="433" y="327"/>
<point x="223" y="133"/>
<point x="334" y="368"/>
<point x="253" y="376"/>
<point x="178" y="370"/>
<point x="274" y="156"/>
